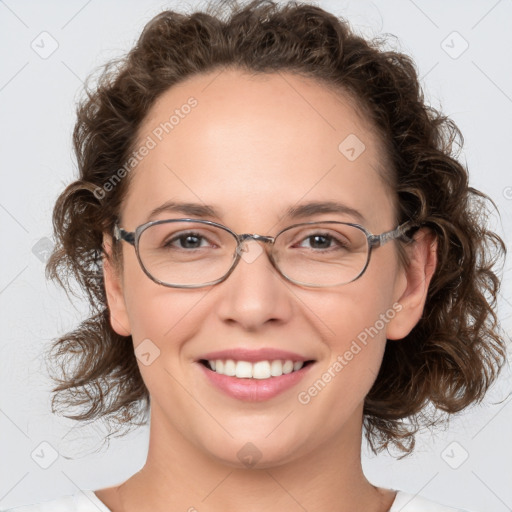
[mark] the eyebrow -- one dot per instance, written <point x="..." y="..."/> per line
<point x="293" y="212"/>
<point x="190" y="209"/>
<point x="317" y="207"/>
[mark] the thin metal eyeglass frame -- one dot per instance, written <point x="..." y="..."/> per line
<point x="132" y="237"/>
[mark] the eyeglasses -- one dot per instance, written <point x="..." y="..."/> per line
<point x="191" y="253"/>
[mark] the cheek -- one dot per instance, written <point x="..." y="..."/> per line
<point x="154" y="311"/>
<point x="163" y="321"/>
<point x="358" y="311"/>
<point x="356" y="344"/>
<point x="353" y="322"/>
<point x="162" y="314"/>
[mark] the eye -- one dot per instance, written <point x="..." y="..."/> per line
<point x="188" y="240"/>
<point x="325" y="241"/>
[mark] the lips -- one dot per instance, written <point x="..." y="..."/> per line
<point x="254" y="375"/>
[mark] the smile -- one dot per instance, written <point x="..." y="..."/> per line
<point x="254" y="381"/>
<point x="266" y="369"/>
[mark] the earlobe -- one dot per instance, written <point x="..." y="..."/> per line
<point x="114" y="291"/>
<point x="417" y="277"/>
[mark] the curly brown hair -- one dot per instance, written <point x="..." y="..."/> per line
<point x="455" y="351"/>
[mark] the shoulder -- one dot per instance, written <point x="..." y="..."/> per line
<point x="406" y="502"/>
<point x="80" y="501"/>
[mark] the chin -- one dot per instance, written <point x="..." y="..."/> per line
<point x="254" y="451"/>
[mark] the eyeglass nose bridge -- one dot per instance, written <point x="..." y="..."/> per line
<point x="239" y="251"/>
<point x="258" y="238"/>
<point x="267" y="240"/>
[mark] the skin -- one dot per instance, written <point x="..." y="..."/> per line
<point x="252" y="147"/>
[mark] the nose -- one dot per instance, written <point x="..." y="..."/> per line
<point x="254" y="294"/>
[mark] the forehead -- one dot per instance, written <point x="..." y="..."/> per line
<point x="255" y="145"/>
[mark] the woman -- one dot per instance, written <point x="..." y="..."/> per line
<point x="282" y="252"/>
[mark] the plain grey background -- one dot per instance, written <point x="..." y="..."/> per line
<point x="463" y="53"/>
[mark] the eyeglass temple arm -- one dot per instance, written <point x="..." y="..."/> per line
<point x="399" y="232"/>
<point x="121" y="234"/>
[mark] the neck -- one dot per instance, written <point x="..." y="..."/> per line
<point x="179" y="475"/>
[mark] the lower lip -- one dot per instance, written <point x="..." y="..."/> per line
<point x="254" y="390"/>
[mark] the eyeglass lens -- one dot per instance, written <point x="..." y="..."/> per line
<point x="193" y="253"/>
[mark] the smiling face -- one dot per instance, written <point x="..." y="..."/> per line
<point x="252" y="148"/>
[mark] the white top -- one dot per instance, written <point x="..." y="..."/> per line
<point x="87" y="501"/>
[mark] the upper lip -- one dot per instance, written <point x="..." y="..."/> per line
<point x="262" y="354"/>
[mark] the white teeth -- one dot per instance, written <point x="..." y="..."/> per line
<point x="257" y="370"/>
<point x="261" y="370"/>
<point x="288" y="366"/>
<point x="230" y="368"/>
<point x="243" y="369"/>
<point x="297" y="365"/>
<point x="276" y="368"/>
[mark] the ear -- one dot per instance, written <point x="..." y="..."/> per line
<point x="412" y="288"/>
<point x="114" y="290"/>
